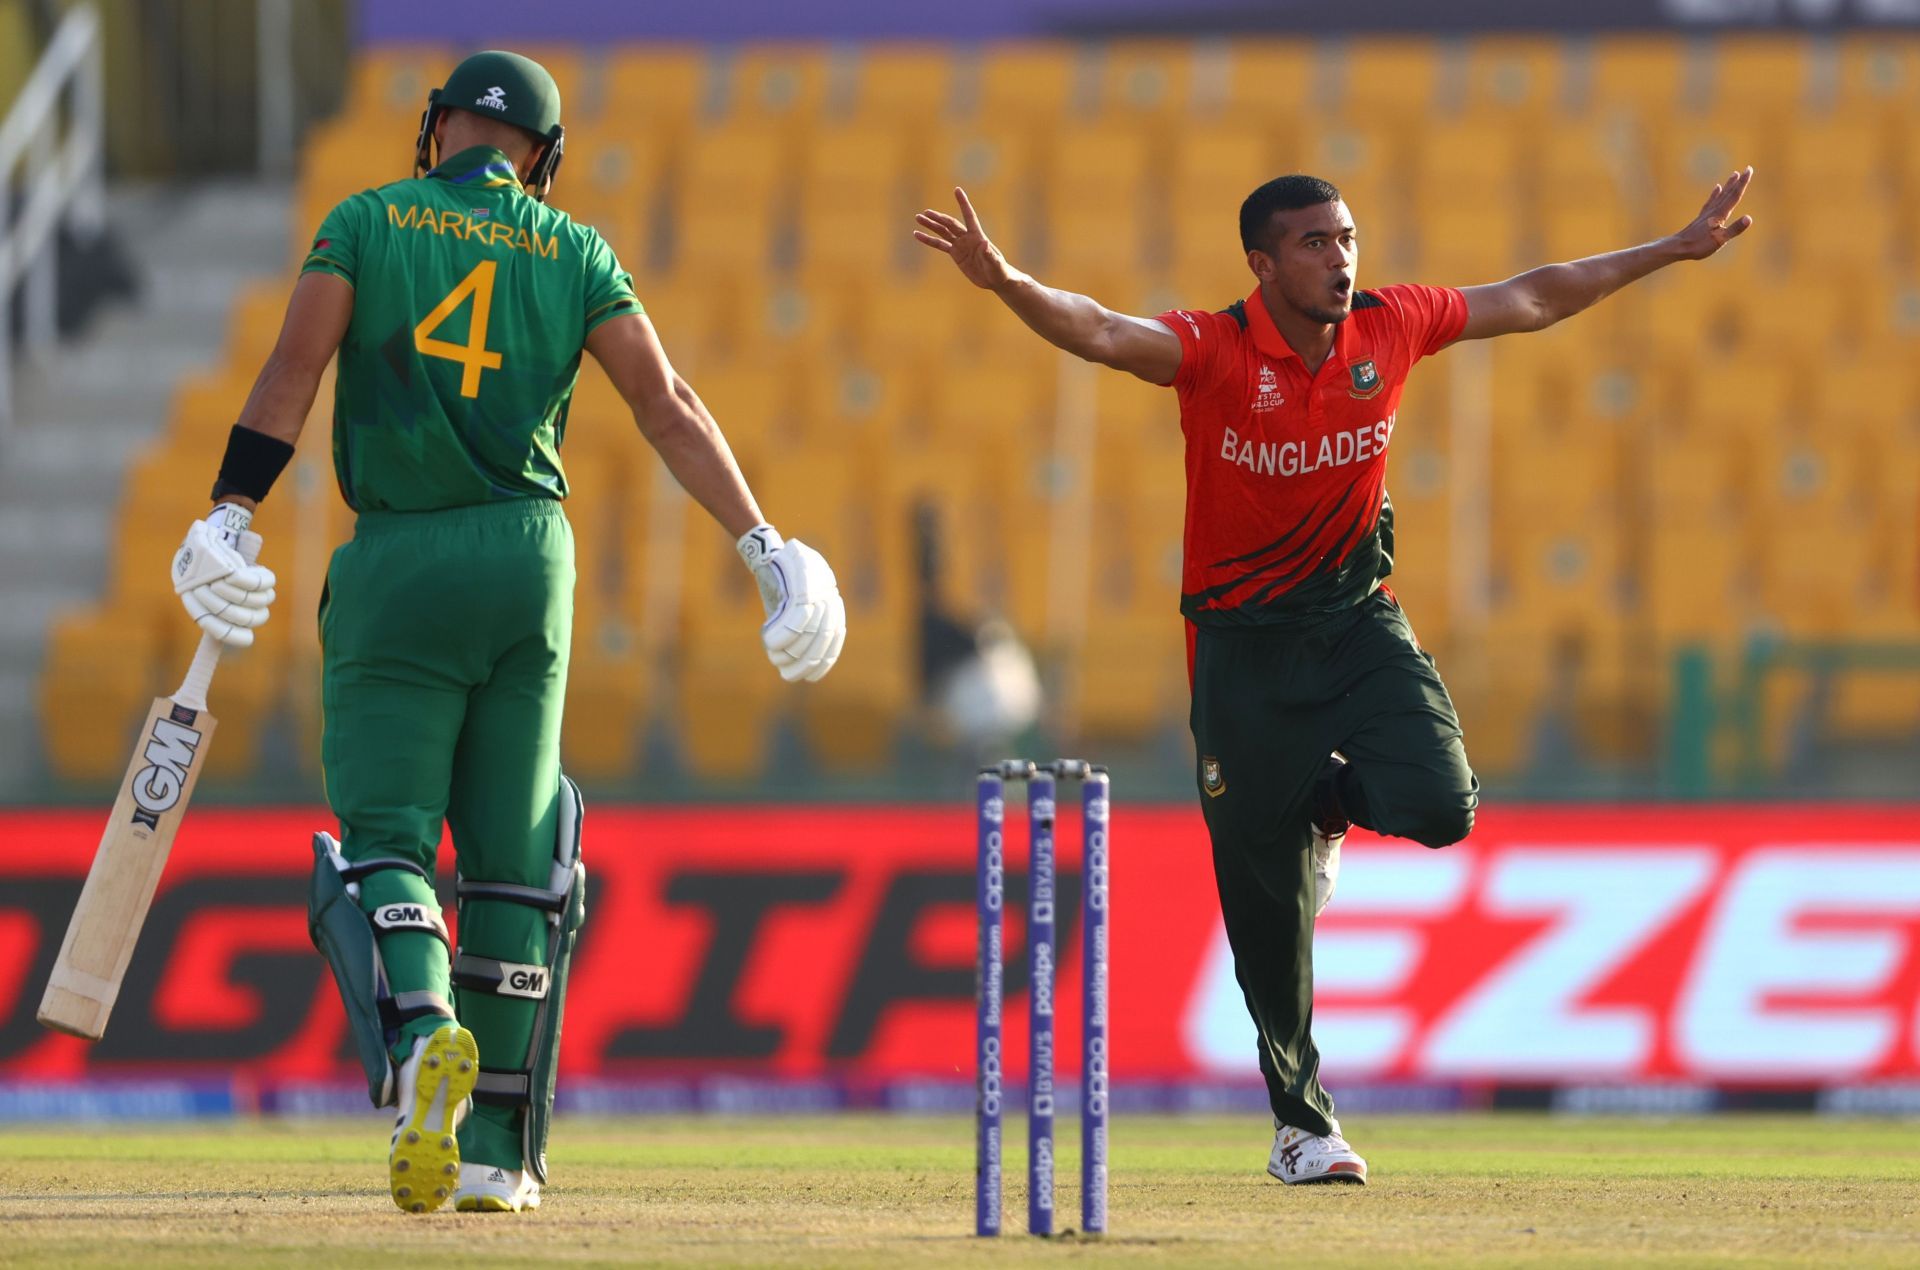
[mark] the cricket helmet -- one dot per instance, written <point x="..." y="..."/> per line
<point x="505" y="86"/>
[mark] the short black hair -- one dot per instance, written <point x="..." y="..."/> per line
<point x="1281" y="194"/>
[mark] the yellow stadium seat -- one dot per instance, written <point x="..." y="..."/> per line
<point x="857" y="403"/>
<point x="779" y="84"/>
<point x="1129" y="674"/>
<point x="612" y="179"/>
<point x="393" y="80"/>
<point x="1514" y="76"/>
<point x="905" y="84"/>
<point x="1691" y="156"/>
<point x="1469" y="244"/>
<point x="1582" y="161"/>
<point x="102" y="673"/>
<point x="1487" y="157"/>
<point x="1030" y="84"/>
<point x="254" y="325"/>
<point x="723" y="710"/>
<point x="1568" y="233"/>
<point x="1499" y="687"/>
<point x="725" y="199"/>
<point x="850" y="719"/>
<point x="1098" y="186"/>
<point x="1647" y="77"/>
<point x="1392" y="78"/>
<point x="654" y="89"/>
<point x="1811" y="570"/>
<point x="856" y="205"/>
<point x="1761" y="74"/>
<point x="1152" y="79"/>
<point x="1270" y="82"/>
<point x="997" y="169"/>
<point x="1561" y="563"/>
<point x="1701" y="575"/>
<point x="1835" y="158"/>
<point x="1879" y="76"/>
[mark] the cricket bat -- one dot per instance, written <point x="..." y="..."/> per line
<point x="126" y="869"/>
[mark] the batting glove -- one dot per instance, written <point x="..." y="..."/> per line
<point x="806" y="622"/>
<point x="222" y="592"/>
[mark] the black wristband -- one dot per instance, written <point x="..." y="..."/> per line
<point x="252" y="463"/>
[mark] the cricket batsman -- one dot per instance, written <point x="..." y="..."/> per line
<point x="1313" y="705"/>
<point x="459" y="304"/>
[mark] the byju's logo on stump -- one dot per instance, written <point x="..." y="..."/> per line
<point x="495" y="97"/>
<point x="1366" y="379"/>
<point x="1211" y="778"/>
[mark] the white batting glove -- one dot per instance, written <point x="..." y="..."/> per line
<point x="806" y="622"/>
<point x="222" y="592"/>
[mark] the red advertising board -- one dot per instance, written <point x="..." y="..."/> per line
<point x="1732" y="945"/>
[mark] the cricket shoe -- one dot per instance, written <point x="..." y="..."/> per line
<point x="1300" y="1157"/>
<point x="487" y="1189"/>
<point x="423" y="1161"/>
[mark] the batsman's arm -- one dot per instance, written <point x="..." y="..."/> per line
<point x="283" y="393"/>
<point x="1080" y="325"/>
<point x="1541" y="297"/>
<point x="674" y="420"/>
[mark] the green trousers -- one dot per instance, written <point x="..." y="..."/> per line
<point x="444" y="642"/>
<point x="1268" y="709"/>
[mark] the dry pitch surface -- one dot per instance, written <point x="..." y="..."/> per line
<point x="857" y="1190"/>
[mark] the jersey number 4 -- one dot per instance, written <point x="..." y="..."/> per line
<point x="473" y="355"/>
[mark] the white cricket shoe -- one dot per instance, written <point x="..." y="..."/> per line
<point x="1300" y="1157"/>
<point x="487" y="1189"/>
<point x="423" y="1160"/>
<point x="1326" y="863"/>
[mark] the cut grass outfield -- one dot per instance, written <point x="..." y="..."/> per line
<point x="894" y="1191"/>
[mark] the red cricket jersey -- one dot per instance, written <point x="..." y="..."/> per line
<point x="1287" y="512"/>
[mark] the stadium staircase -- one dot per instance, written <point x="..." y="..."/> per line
<point x="87" y="413"/>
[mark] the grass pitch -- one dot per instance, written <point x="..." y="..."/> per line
<point x="893" y="1191"/>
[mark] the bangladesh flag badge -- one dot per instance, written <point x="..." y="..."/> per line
<point x="1366" y="379"/>
<point x="1210" y="777"/>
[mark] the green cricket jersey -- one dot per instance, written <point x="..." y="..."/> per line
<point x="471" y="305"/>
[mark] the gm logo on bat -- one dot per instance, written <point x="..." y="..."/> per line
<point x="170" y="752"/>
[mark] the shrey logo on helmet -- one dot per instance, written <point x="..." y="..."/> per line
<point x="495" y="97"/>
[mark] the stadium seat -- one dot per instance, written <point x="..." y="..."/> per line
<point x="725" y="198"/>
<point x="612" y="179"/>
<point x="1148" y="80"/>
<point x="726" y="701"/>
<point x="905" y="85"/>
<point x="1272" y="83"/>
<point x="1129" y="668"/>
<point x="1761" y="75"/>
<point x="779" y="85"/>
<point x="1097" y="190"/>
<point x="656" y="90"/>
<point x="1474" y="158"/>
<point x="391" y="81"/>
<point x="101" y="674"/>
<point x="850" y="720"/>
<point x="1514" y="77"/>
<point x="1391" y="79"/>
<point x="1028" y="85"/>
<point x="856" y="206"/>
<point x="1646" y="78"/>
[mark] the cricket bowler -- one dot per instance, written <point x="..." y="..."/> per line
<point x="459" y="304"/>
<point x="1313" y="705"/>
